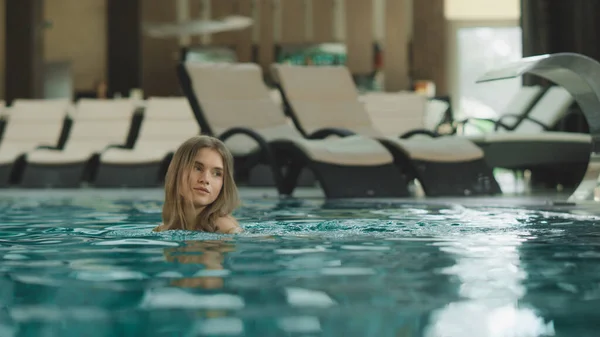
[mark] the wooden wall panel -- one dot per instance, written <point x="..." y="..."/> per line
<point x="322" y="20"/>
<point x="24" y="49"/>
<point x="244" y="37"/>
<point x="241" y="40"/>
<point x="218" y="10"/>
<point x="429" y="47"/>
<point x="359" y="36"/>
<point x="78" y="34"/>
<point x="124" y="45"/>
<point x="159" y="55"/>
<point x="196" y="11"/>
<point x="395" y="57"/>
<point x="266" y="33"/>
<point x="293" y="21"/>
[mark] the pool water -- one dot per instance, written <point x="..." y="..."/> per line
<point x="90" y="266"/>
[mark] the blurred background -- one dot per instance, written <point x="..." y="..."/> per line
<point x="92" y="48"/>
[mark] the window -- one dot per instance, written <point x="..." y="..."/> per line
<point x="477" y="50"/>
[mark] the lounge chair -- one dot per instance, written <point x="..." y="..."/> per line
<point x="531" y="143"/>
<point x="579" y="75"/>
<point x="430" y="113"/>
<point x="97" y="125"/>
<point x="325" y="98"/>
<point x="231" y="101"/>
<point x="415" y="110"/>
<point x="30" y="124"/>
<point x="516" y="111"/>
<point x="167" y="122"/>
<point x="386" y="109"/>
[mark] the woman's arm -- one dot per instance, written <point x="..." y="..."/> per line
<point x="228" y="225"/>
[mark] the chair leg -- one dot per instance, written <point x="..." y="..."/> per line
<point x="290" y="180"/>
<point x="276" y="169"/>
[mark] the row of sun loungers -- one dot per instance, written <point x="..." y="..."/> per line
<point x="354" y="145"/>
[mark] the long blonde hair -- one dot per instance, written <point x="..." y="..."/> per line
<point x="178" y="213"/>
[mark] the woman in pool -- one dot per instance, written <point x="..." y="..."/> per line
<point x="200" y="192"/>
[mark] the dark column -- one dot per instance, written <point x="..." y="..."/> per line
<point x="395" y="50"/>
<point x="266" y="39"/>
<point x="244" y="37"/>
<point x="124" y="45"/>
<point x="429" y="50"/>
<point x="551" y="26"/>
<point x="159" y="55"/>
<point x="24" y="49"/>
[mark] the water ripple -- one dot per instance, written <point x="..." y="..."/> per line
<point x="343" y="267"/>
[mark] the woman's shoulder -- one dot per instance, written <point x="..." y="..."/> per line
<point x="160" y="228"/>
<point x="228" y="225"/>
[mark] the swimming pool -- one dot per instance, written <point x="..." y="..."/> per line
<point x="80" y="264"/>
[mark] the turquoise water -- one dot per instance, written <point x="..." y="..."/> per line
<point x="90" y="266"/>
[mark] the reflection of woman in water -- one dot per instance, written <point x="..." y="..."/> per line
<point x="200" y="192"/>
<point x="210" y="254"/>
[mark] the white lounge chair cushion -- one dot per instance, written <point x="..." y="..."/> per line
<point x="553" y="105"/>
<point x="330" y="113"/>
<point x="150" y="152"/>
<point x="10" y="152"/>
<point x="39" y="109"/>
<point x="32" y="123"/>
<point x="322" y="96"/>
<point x="168" y="122"/>
<point x="276" y="97"/>
<point x="435" y="111"/>
<point x="518" y="106"/>
<point x="135" y="156"/>
<point x="551" y="136"/>
<point x="97" y="124"/>
<point x="393" y="113"/>
<point x="35" y="121"/>
<point x="169" y="108"/>
<point x="80" y="148"/>
<point x="352" y="150"/>
<point x="79" y="151"/>
<point x="167" y="130"/>
<point x="439" y="149"/>
<point x="33" y="132"/>
<point x="58" y="157"/>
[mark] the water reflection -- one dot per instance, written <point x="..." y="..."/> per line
<point x="491" y="286"/>
<point x="208" y="256"/>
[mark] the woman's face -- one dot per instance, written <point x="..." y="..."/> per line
<point x="205" y="179"/>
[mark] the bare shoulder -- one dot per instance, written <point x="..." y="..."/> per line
<point x="159" y="228"/>
<point x="228" y="225"/>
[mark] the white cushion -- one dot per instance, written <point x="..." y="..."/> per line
<point x="439" y="149"/>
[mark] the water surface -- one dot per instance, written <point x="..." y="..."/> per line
<point x="91" y="266"/>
